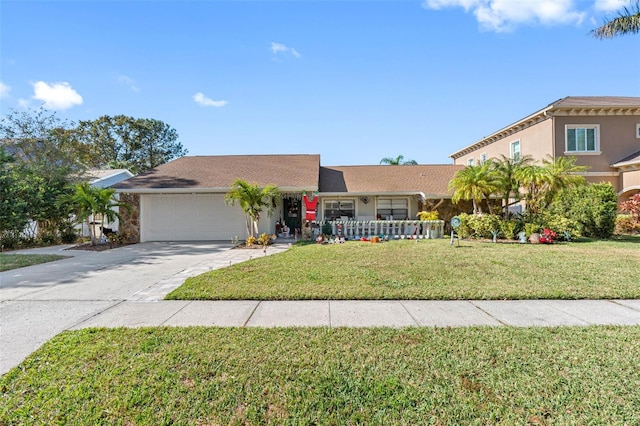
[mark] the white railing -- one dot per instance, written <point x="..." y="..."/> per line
<point x="420" y="229"/>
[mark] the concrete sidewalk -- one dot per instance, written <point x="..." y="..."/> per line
<point x="378" y="313"/>
<point x="125" y="287"/>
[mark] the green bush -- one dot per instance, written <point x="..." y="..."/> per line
<point x="510" y="229"/>
<point x="483" y="224"/>
<point x="592" y="207"/>
<point x="464" y="230"/>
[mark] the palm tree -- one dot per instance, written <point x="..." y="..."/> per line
<point x="533" y="178"/>
<point x="398" y="161"/>
<point x="253" y="199"/>
<point x="561" y="173"/>
<point x="89" y="202"/>
<point x="506" y="175"/>
<point x="627" y="22"/>
<point x="474" y="183"/>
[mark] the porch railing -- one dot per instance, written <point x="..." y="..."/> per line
<point x="420" y="229"/>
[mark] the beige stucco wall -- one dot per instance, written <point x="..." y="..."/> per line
<point x="535" y="141"/>
<point x="629" y="181"/>
<point x="617" y="139"/>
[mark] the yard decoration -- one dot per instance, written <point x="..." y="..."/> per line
<point x="310" y="205"/>
<point x="547" y="236"/>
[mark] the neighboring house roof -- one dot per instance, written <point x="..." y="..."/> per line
<point x="570" y="105"/>
<point x="631" y="160"/>
<point x="96" y="175"/>
<point x="427" y="180"/>
<point x="217" y="173"/>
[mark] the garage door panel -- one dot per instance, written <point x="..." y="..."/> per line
<point x="189" y="217"/>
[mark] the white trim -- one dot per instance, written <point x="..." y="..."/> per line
<point x="629" y="188"/>
<point x="596" y="150"/>
<point x="582" y="152"/>
<point x="598" y="174"/>
<point x="638" y="131"/>
<point x="471" y="161"/>
<point x="483" y="158"/>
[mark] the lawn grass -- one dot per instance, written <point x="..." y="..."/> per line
<point x="429" y="269"/>
<point x="210" y="376"/>
<point x="10" y="261"/>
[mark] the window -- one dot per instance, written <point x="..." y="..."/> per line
<point x="515" y="151"/>
<point x="470" y="162"/>
<point x="583" y="138"/>
<point x="483" y="158"/>
<point x="335" y="209"/>
<point x="638" y="130"/>
<point x="396" y="208"/>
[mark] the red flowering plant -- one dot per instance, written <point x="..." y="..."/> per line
<point x="547" y="236"/>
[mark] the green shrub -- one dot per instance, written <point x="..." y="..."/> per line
<point x="464" y="230"/>
<point x="510" y="229"/>
<point x="327" y="229"/>
<point x="592" y="207"/>
<point x="484" y="224"/>
<point x="425" y="215"/>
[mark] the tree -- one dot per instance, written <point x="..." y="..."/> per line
<point x="89" y="202"/>
<point x="398" y="161"/>
<point x="48" y="160"/>
<point x="138" y="144"/>
<point x="42" y="142"/>
<point x="14" y="213"/>
<point x="474" y="183"/>
<point x="562" y="173"/>
<point x="253" y="199"/>
<point x="627" y="22"/>
<point x="506" y="172"/>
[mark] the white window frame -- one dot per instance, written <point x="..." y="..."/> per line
<point x="638" y="131"/>
<point x="394" y="198"/>
<point x="470" y="162"/>
<point x="596" y="150"/>
<point x="339" y="200"/>
<point x="483" y="158"/>
<point x="513" y="151"/>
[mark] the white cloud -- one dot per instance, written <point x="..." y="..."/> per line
<point x="4" y="90"/>
<point x="128" y="81"/>
<point x="23" y="103"/>
<point x="505" y="15"/>
<point x="281" y="48"/>
<point x="56" y="95"/>
<point x="611" y="5"/>
<point x="202" y="100"/>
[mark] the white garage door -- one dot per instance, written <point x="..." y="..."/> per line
<point x="189" y="217"/>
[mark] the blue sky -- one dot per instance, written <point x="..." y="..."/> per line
<point x="353" y="81"/>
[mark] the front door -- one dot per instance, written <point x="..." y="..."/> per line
<point x="292" y="211"/>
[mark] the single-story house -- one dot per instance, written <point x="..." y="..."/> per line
<point x="103" y="178"/>
<point x="184" y="199"/>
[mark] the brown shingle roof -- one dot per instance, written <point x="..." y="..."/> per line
<point x="218" y="172"/>
<point x="597" y="101"/>
<point x="431" y="180"/>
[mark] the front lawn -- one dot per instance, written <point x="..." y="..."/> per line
<point x="13" y="261"/>
<point x="430" y="269"/>
<point x="211" y="376"/>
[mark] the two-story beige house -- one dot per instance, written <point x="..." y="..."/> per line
<point x="602" y="132"/>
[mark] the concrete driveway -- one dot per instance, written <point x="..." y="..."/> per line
<point x="40" y="301"/>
